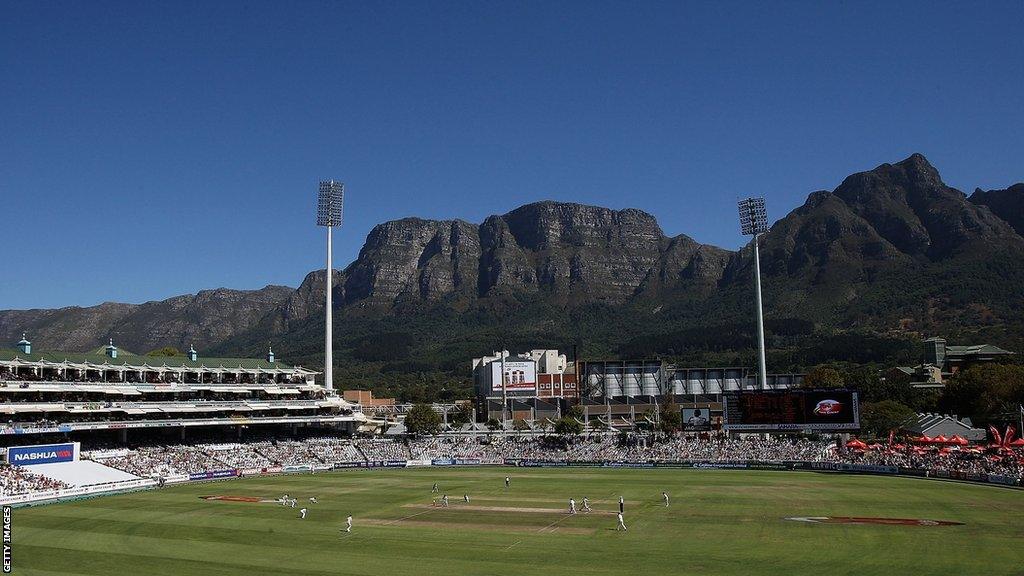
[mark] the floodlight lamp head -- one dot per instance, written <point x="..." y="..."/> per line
<point x="329" y="203"/>
<point x="753" y="216"/>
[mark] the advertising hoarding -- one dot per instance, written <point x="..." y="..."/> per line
<point x="42" y="454"/>
<point x="520" y="375"/>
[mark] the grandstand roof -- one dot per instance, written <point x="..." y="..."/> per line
<point x="126" y="360"/>
<point x="931" y="425"/>
<point x="977" y="350"/>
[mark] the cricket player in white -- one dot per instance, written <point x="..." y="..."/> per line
<point x="312" y="500"/>
<point x="507" y="481"/>
<point x="466" y="498"/>
<point x="665" y="496"/>
<point x="293" y="502"/>
<point x="622" y="525"/>
<point x="348" y="524"/>
<point x="444" y="501"/>
<point x="572" y="505"/>
<point x="302" y="514"/>
<point x="586" y="504"/>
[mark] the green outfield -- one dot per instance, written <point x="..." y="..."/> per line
<point x="719" y="522"/>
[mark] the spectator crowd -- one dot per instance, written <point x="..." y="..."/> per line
<point x="15" y="480"/>
<point x="326" y="451"/>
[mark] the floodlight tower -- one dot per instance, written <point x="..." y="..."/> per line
<point x="754" y="222"/>
<point x="328" y="214"/>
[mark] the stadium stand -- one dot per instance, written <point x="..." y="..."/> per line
<point x="162" y="461"/>
<point x="384" y="450"/>
<point x="16" y="480"/>
<point x="44" y="393"/>
<point x="324" y="450"/>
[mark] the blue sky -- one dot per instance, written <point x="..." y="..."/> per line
<point x="154" y="149"/>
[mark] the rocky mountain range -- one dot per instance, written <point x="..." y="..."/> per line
<point x="892" y="251"/>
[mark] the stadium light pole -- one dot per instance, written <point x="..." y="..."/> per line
<point x="330" y="201"/>
<point x="754" y="222"/>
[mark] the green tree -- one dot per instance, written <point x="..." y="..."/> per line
<point x="568" y="426"/>
<point x="822" y="377"/>
<point x="576" y="412"/>
<point x="671" y="418"/>
<point x="461" y="415"/>
<point x="988" y="393"/>
<point x="422" y="419"/>
<point x="646" y="420"/>
<point x="878" y="418"/>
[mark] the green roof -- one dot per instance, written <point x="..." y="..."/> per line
<point x="135" y="360"/>
<point x="977" y="349"/>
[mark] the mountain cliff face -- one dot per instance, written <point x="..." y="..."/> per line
<point x="890" y="250"/>
<point x="414" y="259"/>
<point x="560" y="250"/>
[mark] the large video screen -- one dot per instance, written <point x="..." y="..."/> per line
<point x="792" y="410"/>
<point x="696" y="419"/>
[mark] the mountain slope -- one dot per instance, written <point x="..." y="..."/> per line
<point x="891" y="254"/>
<point x="202" y="320"/>
<point x="1007" y="204"/>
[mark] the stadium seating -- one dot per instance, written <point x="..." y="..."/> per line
<point x="326" y="451"/>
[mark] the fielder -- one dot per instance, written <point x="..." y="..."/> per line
<point x="572" y="505"/>
<point x="444" y="501"/>
<point x="622" y="505"/>
<point x="622" y="525"/>
<point x="465" y="497"/>
<point x="665" y="496"/>
<point x="313" y="500"/>
<point x="508" y="481"/>
<point x="586" y="504"/>
<point x="434" y="489"/>
<point x="302" y="514"/>
<point x="348" y="523"/>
